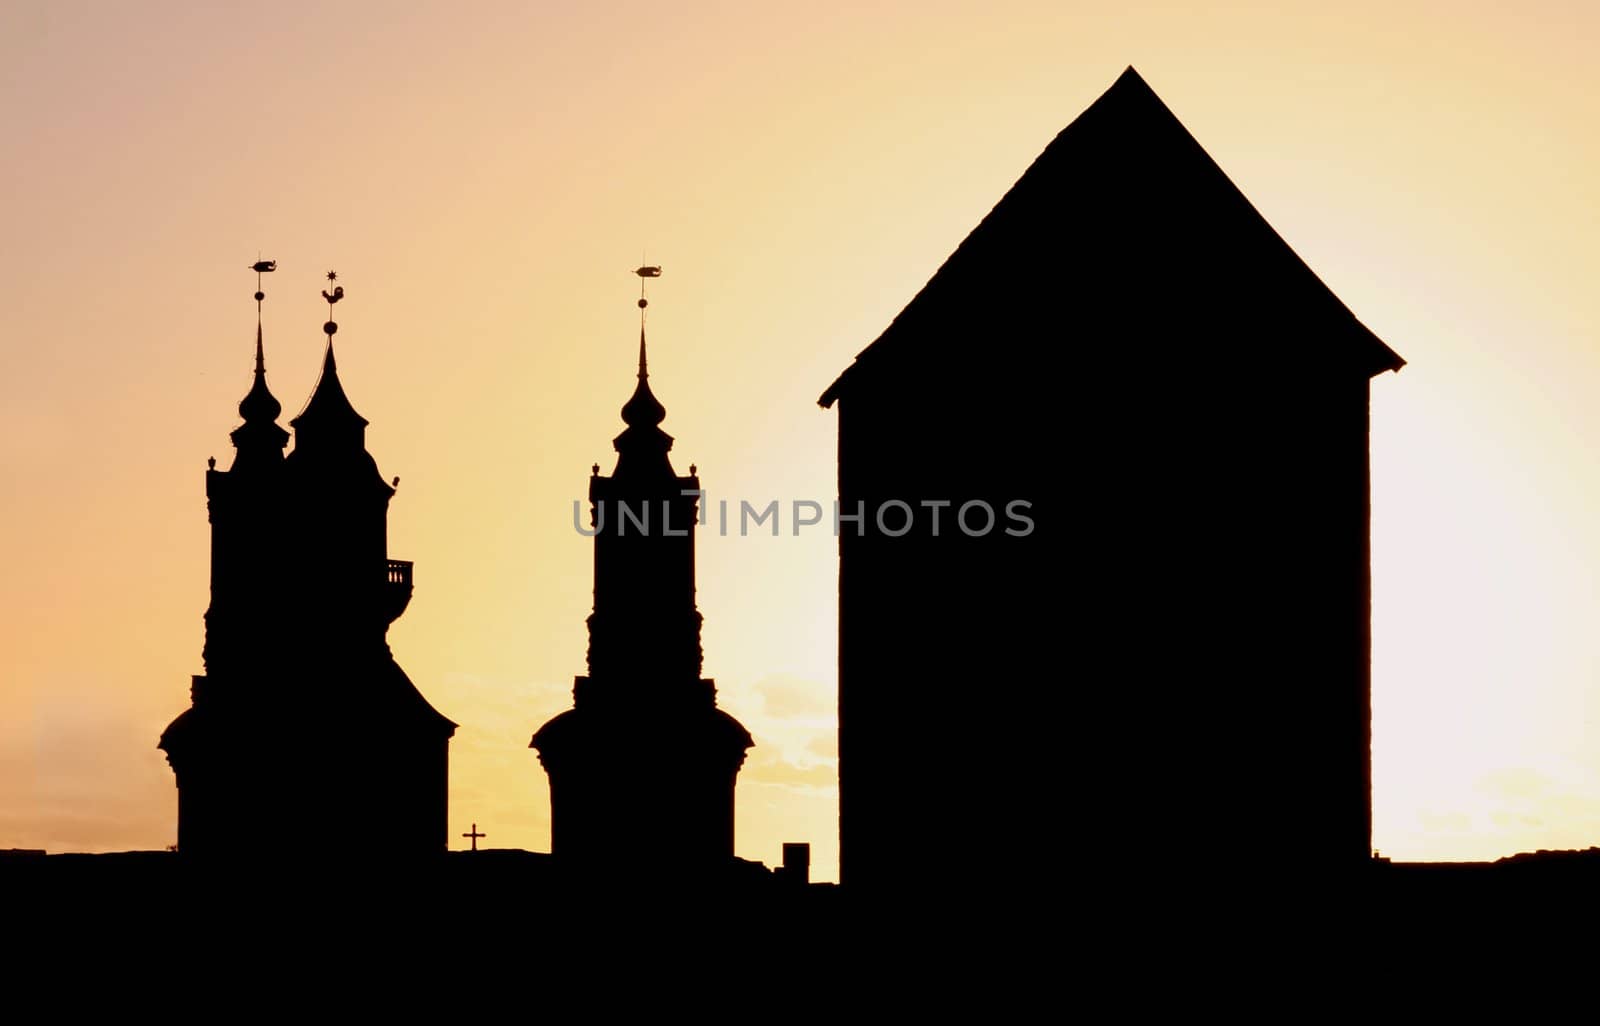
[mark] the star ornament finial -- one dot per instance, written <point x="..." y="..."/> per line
<point x="332" y="298"/>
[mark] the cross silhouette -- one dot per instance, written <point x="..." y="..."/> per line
<point x="474" y="835"/>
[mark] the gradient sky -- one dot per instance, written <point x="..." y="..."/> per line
<point x="484" y="175"/>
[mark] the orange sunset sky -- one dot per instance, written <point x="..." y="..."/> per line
<point x="484" y="175"/>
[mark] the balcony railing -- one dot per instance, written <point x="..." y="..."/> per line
<point x="398" y="593"/>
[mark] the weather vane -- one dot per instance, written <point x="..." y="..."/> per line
<point x="262" y="267"/>
<point x="332" y="298"/>
<point x="644" y="272"/>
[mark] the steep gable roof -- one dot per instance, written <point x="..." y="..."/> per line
<point x="1126" y="173"/>
<point x="328" y="406"/>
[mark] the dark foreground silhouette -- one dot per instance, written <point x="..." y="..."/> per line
<point x="488" y="913"/>
<point x="1120" y="720"/>
<point x="1107" y="609"/>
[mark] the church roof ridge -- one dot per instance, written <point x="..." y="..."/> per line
<point x="1125" y="122"/>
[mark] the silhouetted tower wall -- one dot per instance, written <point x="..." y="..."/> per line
<point x="643" y="767"/>
<point x="339" y="509"/>
<point x="1171" y="669"/>
<point x="244" y="505"/>
<point x="304" y="729"/>
<point x="645" y="624"/>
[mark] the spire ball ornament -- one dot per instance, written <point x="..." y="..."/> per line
<point x="262" y="267"/>
<point x="647" y="271"/>
<point x="643" y="409"/>
<point x="260" y="406"/>
<point x="332" y="297"/>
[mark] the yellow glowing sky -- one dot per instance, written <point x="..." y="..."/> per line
<point x="483" y="176"/>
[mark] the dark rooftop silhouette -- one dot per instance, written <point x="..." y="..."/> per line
<point x="1160" y="685"/>
<point x="329" y="408"/>
<point x="1187" y="195"/>
<point x="1170" y="637"/>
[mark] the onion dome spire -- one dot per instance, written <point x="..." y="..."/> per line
<point x="643" y="443"/>
<point x="643" y="409"/>
<point x="259" y="404"/>
<point x="260" y="408"/>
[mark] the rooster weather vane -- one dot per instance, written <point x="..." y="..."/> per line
<point x="332" y="298"/>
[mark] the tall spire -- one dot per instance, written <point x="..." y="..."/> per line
<point x="643" y="410"/>
<point x="259" y="407"/>
<point x="259" y="404"/>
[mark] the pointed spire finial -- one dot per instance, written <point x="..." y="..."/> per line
<point x="259" y="403"/>
<point x="332" y="297"/>
<point x="645" y="271"/>
<point x="643" y="409"/>
<point x="261" y="267"/>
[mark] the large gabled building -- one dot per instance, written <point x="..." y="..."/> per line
<point x="1147" y="641"/>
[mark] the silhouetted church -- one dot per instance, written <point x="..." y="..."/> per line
<point x="303" y="728"/>
<point x="643" y="766"/>
<point x="1139" y="634"/>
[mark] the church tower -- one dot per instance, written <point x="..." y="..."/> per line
<point x="644" y="764"/>
<point x="245" y="507"/>
<point x="303" y="725"/>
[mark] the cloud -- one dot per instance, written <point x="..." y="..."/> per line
<point x="1515" y="783"/>
<point x="1444" y="822"/>
<point x="768" y="766"/>
<point x="787" y="697"/>
<point x="77" y="777"/>
<point x="825" y="745"/>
